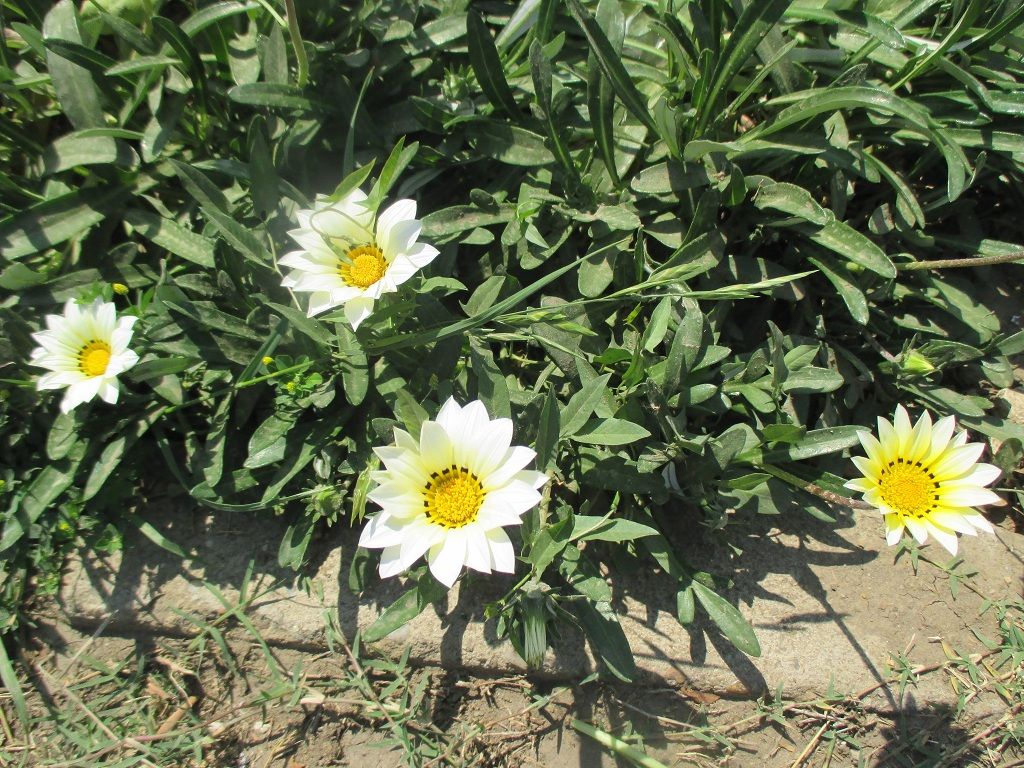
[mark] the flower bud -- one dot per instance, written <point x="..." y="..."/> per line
<point x="120" y="289"/>
<point x="916" y="364"/>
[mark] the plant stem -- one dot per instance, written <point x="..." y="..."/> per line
<point x="816" y="490"/>
<point x="971" y="261"/>
<point x="231" y="387"/>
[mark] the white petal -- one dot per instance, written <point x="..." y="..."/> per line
<point x="967" y="496"/>
<point x="952" y="519"/>
<point x="357" y="310"/>
<point x="893" y="530"/>
<point x="320" y="303"/>
<point x="80" y="392"/>
<point x="901" y="424"/>
<point x="397" y="228"/>
<point x="514" y="460"/>
<point x="517" y="496"/>
<point x="391" y="562"/>
<point x="978" y="521"/>
<point x="944" y="536"/>
<point x="868" y="467"/>
<point x="861" y="484"/>
<point x="447" y="558"/>
<point x="917" y="529"/>
<point x="478" y="551"/>
<point x="435" y="445"/>
<point x="503" y="555"/>
<point x="58" y="379"/>
<point x="418" y="540"/>
<point x="450" y="415"/>
<point x="108" y="390"/>
<point x="957" y="461"/>
<point x="920" y="441"/>
<point x="942" y="431"/>
<point x="380" y="531"/>
<point x="982" y="474"/>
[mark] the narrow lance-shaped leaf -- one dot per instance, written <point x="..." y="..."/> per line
<point x="612" y="66"/>
<point x="486" y="63"/>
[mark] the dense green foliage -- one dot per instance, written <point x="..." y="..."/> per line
<point x="672" y="234"/>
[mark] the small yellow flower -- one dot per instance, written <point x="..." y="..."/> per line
<point x="267" y="360"/>
<point x="924" y="479"/>
<point x="120" y="289"/>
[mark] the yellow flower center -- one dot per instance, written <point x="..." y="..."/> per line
<point x="453" y="497"/>
<point x="94" y="357"/>
<point x="362" y="266"/>
<point x="909" y="488"/>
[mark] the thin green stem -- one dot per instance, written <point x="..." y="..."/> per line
<point x="231" y="387"/>
<point x="301" y="60"/>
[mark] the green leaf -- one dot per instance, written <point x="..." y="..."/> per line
<point x="406" y="608"/>
<point x="396" y="163"/>
<point x="410" y="413"/>
<point x="268" y="442"/>
<point x="597" y="528"/>
<point x="177" y="239"/>
<point x="213" y="13"/>
<point x="295" y="542"/>
<point x="182" y="45"/>
<point x="151" y="533"/>
<point x="608" y="641"/>
<point x="211" y="202"/>
<point x="610" y="432"/>
<point x="112" y="454"/>
<point x="355" y="372"/>
<point x="728" y="618"/>
<point x="492" y="388"/>
<point x="508" y="144"/>
<point x="13" y="687"/>
<point x="47" y="224"/>
<point x="582" y="404"/>
<point x="547" y="431"/>
<point x="811" y="380"/>
<point x="791" y="199"/>
<point x="854" y="298"/>
<point x="611" y="65"/>
<point x="817" y="442"/>
<point x="486" y="64"/>
<point x="548" y="544"/>
<point x="76" y="91"/>
<point x="277" y="95"/>
<point x="843" y="239"/>
<point x="72" y="151"/>
<point x="62" y="436"/>
<point x="751" y="28"/>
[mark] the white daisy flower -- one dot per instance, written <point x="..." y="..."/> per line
<point x="923" y="479"/>
<point x="349" y="259"/>
<point x="449" y="495"/>
<point x="85" y="350"/>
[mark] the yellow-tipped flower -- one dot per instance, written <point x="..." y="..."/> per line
<point x="120" y="289"/>
<point x="85" y="350"/>
<point x="922" y="478"/>
<point x="448" y="495"/>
